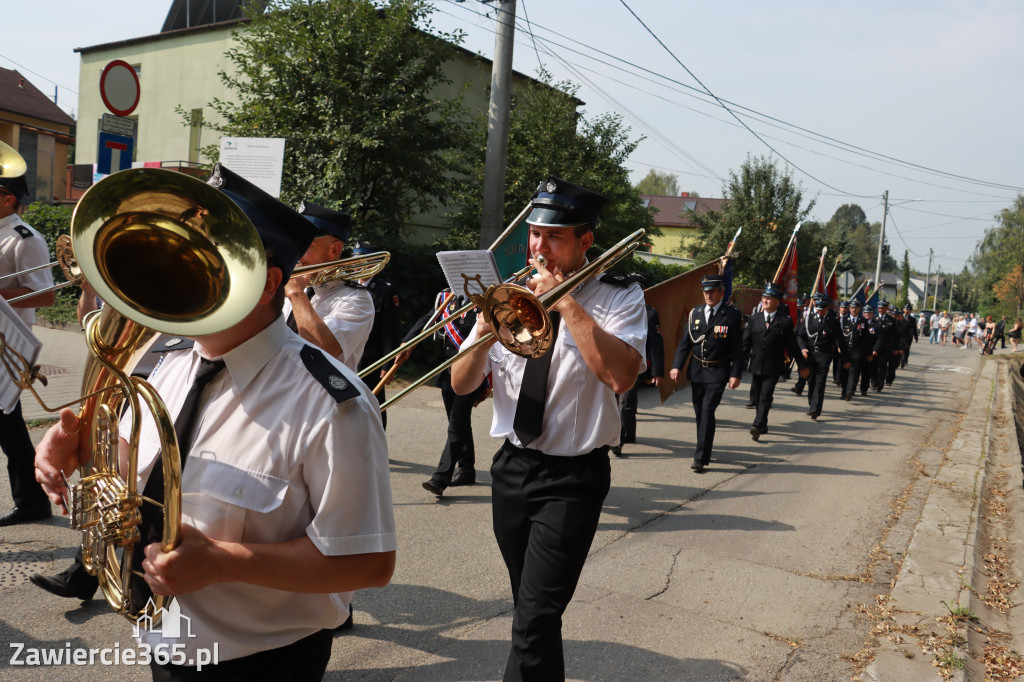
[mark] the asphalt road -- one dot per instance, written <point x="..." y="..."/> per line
<point x="753" y="570"/>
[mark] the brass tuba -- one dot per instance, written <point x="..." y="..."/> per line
<point x="166" y="253"/>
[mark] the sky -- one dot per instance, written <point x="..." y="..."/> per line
<point x="918" y="98"/>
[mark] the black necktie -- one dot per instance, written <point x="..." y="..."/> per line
<point x="533" y="392"/>
<point x="151" y="527"/>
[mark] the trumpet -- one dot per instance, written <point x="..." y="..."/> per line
<point x="517" y="317"/>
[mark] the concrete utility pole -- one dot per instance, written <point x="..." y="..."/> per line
<point x="927" y="282"/>
<point x="952" y="284"/>
<point x="881" y="240"/>
<point x="491" y="222"/>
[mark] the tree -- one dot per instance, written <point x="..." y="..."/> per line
<point x="351" y="86"/>
<point x="659" y="184"/>
<point x="997" y="256"/>
<point x="904" y="297"/>
<point x="547" y="137"/>
<point x="1011" y="288"/>
<point x="767" y="203"/>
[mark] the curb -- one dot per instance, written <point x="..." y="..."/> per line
<point x="940" y="560"/>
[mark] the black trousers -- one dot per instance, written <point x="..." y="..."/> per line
<point x="458" y="449"/>
<point x="303" y="661"/>
<point x="627" y="410"/>
<point x="859" y="372"/>
<point x="545" y="513"/>
<point x="891" y="364"/>
<point x="706" y="398"/>
<point x="763" y="386"/>
<point x="818" y="363"/>
<point x="17" y="445"/>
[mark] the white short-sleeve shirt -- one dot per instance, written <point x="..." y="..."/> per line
<point x="348" y="312"/>
<point x="21" y="248"/>
<point x="274" y="457"/>
<point x="580" y="413"/>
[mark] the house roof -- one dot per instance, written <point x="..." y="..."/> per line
<point x="675" y="211"/>
<point x="18" y="95"/>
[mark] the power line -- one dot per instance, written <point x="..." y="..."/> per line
<point x="34" y="73"/>
<point x="848" y="147"/>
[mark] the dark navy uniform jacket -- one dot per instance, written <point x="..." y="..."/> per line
<point x="717" y="347"/>
<point x="820" y="337"/>
<point x="767" y="344"/>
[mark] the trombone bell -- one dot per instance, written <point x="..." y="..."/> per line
<point x="12" y="164"/>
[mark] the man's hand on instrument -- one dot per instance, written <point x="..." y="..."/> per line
<point x="545" y="280"/>
<point x="57" y="456"/>
<point x="296" y="286"/>
<point x="192" y="565"/>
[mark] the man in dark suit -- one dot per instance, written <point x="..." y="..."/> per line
<point x="653" y="374"/>
<point x="767" y="338"/>
<point x="820" y="338"/>
<point x="714" y="335"/>
<point x="864" y="346"/>
<point x="886" y="325"/>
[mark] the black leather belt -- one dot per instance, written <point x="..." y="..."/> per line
<point x="709" y="363"/>
<point x="822" y="349"/>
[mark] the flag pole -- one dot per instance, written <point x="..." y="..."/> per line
<point x="834" y="267"/>
<point x="821" y="266"/>
<point x="785" y="254"/>
<point x="732" y="243"/>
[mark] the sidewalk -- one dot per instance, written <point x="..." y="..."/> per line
<point x="936" y="616"/>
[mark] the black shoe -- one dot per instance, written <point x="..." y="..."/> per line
<point x="755" y="432"/>
<point x="798" y="391"/>
<point x="26" y="514"/>
<point x="629" y="439"/>
<point x="863" y="392"/>
<point x="617" y="450"/>
<point x="73" y="583"/>
<point x="434" y="487"/>
<point x="809" y="412"/>
<point x="698" y="467"/>
<point x="347" y="625"/>
<point x="751" y="406"/>
<point x="848" y="397"/>
<point x="814" y="415"/>
<point x="878" y="388"/>
<point x="463" y="476"/>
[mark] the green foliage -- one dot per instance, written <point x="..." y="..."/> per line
<point x="351" y="85"/>
<point x="659" y="184"/>
<point x="767" y="203"/>
<point x="546" y="137"/>
<point x="53" y="221"/>
<point x="905" y="291"/>
<point x="996" y="260"/>
<point x="850" y="234"/>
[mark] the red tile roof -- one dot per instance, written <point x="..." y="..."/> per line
<point x="19" y="96"/>
<point x="674" y="211"/>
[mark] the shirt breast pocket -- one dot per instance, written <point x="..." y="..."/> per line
<point x="228" y="495"/>
<point x="572" y="366"/>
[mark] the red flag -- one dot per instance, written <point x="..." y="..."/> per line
<point x="832" y="288"/>
<point x="787" y="278"/>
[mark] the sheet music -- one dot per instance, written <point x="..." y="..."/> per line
<point x="18" y="336"/>
<point x="455" y="264"/>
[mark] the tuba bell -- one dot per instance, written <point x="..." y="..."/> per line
<point x="166" y="253"/>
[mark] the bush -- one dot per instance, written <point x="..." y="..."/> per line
<point x="52" y="221"/>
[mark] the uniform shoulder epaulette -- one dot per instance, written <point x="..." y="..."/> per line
<point x="23" y="231"/>
<point x="616" y="280"/>
<point x="340" y="388"/>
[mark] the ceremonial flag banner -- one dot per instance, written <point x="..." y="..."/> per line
<point x="727" y="279"/>
<point x="832" y="288"/>
<point x="787" y="279"/>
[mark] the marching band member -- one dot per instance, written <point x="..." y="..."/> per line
<point x="21" y="248"/>
<point x="385" y="330"/>
<point x="337" y="315"/>
<point x="286" y="504"/>
<point x="559" y="418"/>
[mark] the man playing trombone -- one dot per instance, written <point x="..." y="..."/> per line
<point x="558" y="417"/>
<point x="21" y="248"/>
<point x="338" y="314"/>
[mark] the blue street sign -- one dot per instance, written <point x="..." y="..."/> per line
<point x="115" y="153"/>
